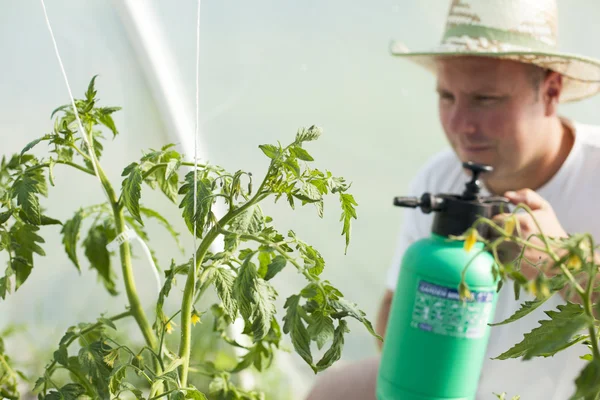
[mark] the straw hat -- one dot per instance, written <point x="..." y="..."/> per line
<point x="520" y="30"/>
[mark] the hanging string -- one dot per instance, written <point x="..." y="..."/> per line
<point x="128" y="235"/>
<point x="196" y="128"/>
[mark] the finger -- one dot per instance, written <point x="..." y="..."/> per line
<point x="528" y="197"/>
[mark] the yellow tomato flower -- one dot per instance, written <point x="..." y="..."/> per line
<point x="470" y="240"/>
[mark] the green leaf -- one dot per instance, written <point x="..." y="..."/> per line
<point x="96" y="252"/>
<point x="24" y="243"/>
<point x="163" y="221"/>
<point x="588" y="381"/>
<point x="292" y="165"/>
<point x="255" y="298"/>
<point x="195" y="394"/>
<point x="224" y="284"/>
<point x="525" y="309"/>
<point x="335" y="351"/>
<point x="552" y="335"/>
<point x="106" y="120"/>
<point x="26" y="189"/>
<point x="70" y="391"/>
<point x="204" y="200"/>
<point x="5" y="216"/>
<point x="345" y="307"/>
<point x="308" y="134"/>
<point x="45" y="220"/>
<point x="5" y="287"/>
<point x="320" y="328"/>
<point x="301" y="154"/>
<point x="91" y="358"/>
<point x="250" y="221"/>
<point x="70" y="233"/>
<point x="348" y="212"/>
<point x="61" y="355"/>
<point x="294" y="326"/>
<point x="131" y="192"/>
<point x="135" y="391"/>
<point x="51" y="164"/>
<point x="90" y="94"/>
<point x="116" y="377"/>
<point x="277" y="264"/>
<point x="33" y="143"/>
<point x="270" y="151"/>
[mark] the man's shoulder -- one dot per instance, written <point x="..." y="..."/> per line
<point x="588" y="135"/>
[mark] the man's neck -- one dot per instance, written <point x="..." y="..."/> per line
<point x="539" y="172"/>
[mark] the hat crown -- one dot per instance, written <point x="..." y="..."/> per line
<point x="532" y="19"/>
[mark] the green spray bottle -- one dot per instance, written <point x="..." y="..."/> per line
<point x="435" y="342"/>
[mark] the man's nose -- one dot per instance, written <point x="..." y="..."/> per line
<point x="463" y="120"/>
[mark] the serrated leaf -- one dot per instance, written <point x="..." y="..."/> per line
<point x="131" y="191"/>
<point x="552" y="335"/>
<point x="135" y="391"/>
<point x="294" y="326"/>
<point x="224" y="283"/>
<point x="61" y="355"/>
<point x="292" y="165"/>
<point x="5" y="216"/>
<point x="588" y="381"/>
<point x="66" y="337"/>
<point x="70" y="233"/>
<point x="91" y="358"/>
<point x="45" y="220"/>
<point x="255" y="299"/>
<point x="96" y="252"/>
<point x="270" y="151"/>
<point x="33" y="143"/>
<point x="107" y="120"/>
<point x="525" y="309"/>
<point x="346" y="307"/>
<point x="335" y="351"/>
<point x="204" y="200"/>
<point x="195" y="394"/>
<point x="25" y="189"/>
<point x="277" y="264"/>
<point x="24" y="243"/>
<point x="301" y="154"/>
<point x="320" y="328"/>
<point x="4" y="287"/>
<point x="250" y="221"/>
<point x="70" y="391"/>
<point x="348" y="212"/>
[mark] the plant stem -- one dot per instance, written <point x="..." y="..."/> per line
<point x="69" y="163"/>
<point x="190" y="283"/>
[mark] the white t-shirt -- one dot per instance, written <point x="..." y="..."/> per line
<point x="574" y="193"/>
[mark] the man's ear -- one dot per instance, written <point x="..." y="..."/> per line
<point x="551" y="91"/>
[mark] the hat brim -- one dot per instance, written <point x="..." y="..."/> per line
<point x="581" y="75"/>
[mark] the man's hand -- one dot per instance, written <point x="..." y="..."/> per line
<point x="548" y="223"/>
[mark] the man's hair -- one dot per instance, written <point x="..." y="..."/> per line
<point x="536" y="76"/>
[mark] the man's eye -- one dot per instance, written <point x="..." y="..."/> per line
<point x="486" y="99"/>
<point x="446" y="96"/>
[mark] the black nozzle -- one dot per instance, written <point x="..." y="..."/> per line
<point x="427" y="203"/>
<point x="474" y="187"/>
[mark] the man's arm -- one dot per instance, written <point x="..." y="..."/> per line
<point x="383" y="315"/>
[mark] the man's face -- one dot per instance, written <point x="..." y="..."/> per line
<point x="490" y="112"/>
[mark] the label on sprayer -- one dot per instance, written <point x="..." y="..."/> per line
<point x="440" y="310"/>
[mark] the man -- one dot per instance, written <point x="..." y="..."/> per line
<point x="500" y="81"/>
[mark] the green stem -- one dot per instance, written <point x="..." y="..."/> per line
<point x="589" y="306"/>
<point x="69" y="163"/>
<point x="190" y="283"/>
